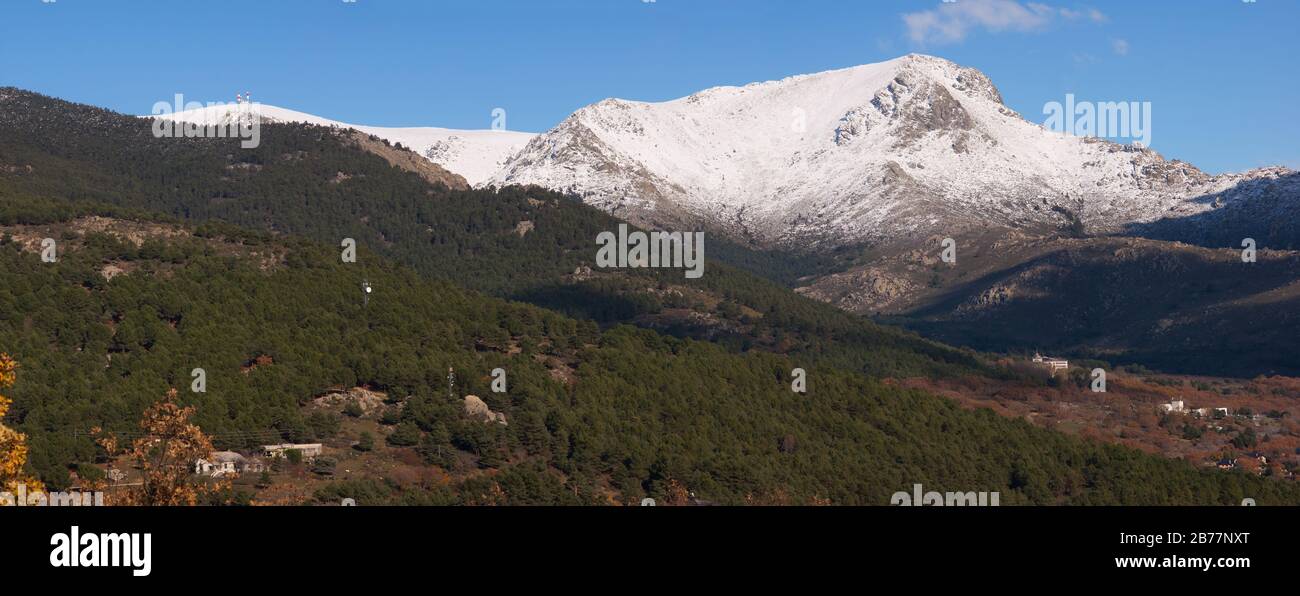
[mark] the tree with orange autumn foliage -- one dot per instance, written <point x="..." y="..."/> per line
<point x="13" y="444"/>
<point x="676" y="494"/>
<point x="165" y="455"/>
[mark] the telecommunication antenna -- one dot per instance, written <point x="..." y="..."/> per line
<point x="451" y="383"/>
<point x="365" y="292"/>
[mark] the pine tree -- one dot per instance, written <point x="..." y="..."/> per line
<point x="366" y="442"/>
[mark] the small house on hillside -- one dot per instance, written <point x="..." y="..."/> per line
<point x="308" y="450"/>
<point x="1051" y="364"/>
<point x="228" y="463"/>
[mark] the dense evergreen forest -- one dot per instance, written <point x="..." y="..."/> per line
<point x="643" y="409"/>
<point x="631" y="409"/>
<point x="311" y="181"/>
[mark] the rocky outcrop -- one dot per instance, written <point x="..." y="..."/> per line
<point x="409" y="161"/>
<point x="370" y="402"/>
<point x="476" y="408"/>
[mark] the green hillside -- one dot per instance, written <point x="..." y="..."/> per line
<point x="597" y="409"/>
<point x="312" y="182"/>
<point x="642" y="409"/>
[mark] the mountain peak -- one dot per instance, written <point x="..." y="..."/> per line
<point x="872" y="153"/>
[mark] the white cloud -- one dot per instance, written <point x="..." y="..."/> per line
<point x="1090" y="14"/>
<point x="950" y="22"/>
<point x="1120" y="46"/>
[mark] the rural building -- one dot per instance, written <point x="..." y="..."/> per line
<point x="1051" y="364"/>
<point x="1174" y="407"/>
<point x="228" y="463"/>
<point x="309" y="450"/>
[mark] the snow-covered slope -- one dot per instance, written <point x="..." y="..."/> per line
<point x="474" y="154"/>
<point x="915" y="145"/>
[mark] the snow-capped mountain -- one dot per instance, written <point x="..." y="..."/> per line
<point x="897" y="150"/>
<point x="474" y="154"/>
<point x="916" y="145"/>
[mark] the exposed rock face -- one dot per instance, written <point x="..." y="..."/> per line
<point x="580" y="273"/>
<point x="371" y="402"/>
<point x="410" y="162"/>
<point x="903" y="277"/>
<point x="866" y="290"/>
<point x="475" y="407"/>
<point x="111" y="270"/>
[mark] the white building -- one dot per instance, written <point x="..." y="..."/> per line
<point x="1174" y="407"/>
<point x="308" y="450"/>
<point x="1052" y="364"/>
<point x="227" y="463"/>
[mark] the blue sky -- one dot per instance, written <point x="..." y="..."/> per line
<point x="1221" y="74"/>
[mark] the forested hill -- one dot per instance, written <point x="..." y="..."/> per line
<point x="516" y="243"/>
<point x="132" y="306"/>
<point x="598" y="411"/>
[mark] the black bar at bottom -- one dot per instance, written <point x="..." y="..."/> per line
<point x="308" y="546"/>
